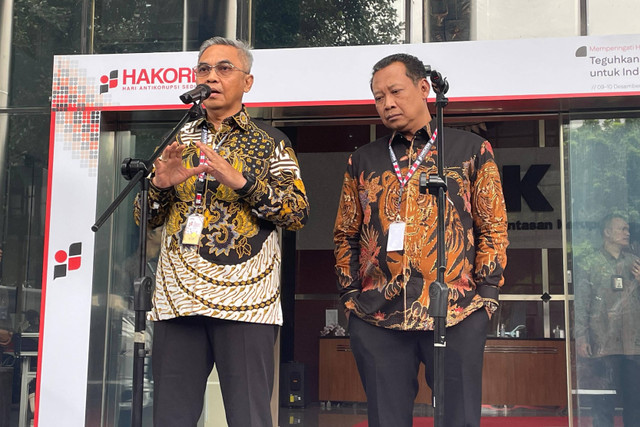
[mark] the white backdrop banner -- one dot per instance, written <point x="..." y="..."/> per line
<point x="509" y="69"/>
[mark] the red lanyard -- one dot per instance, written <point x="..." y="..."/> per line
<point x="414" y="167"/>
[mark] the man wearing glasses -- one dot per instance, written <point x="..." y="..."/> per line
<point x="221" y="190"/>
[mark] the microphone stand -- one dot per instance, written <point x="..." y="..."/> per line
<point x="438" y="290"/>
<point x="137" y="171"/>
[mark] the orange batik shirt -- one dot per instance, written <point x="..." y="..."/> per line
<point x="391" y="289"/>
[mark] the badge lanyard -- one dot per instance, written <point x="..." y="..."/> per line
<point x="195" y="221"/>
<point x="414" y="167"/>
<point x="395" y="236"/>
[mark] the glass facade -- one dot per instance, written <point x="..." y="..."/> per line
<point x="294" y="23"/>
<point x="604" y="167"/>
<point x="601" y="153"/>
<point x="123" y="135"/>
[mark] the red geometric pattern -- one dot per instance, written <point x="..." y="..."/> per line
<point x="71" y="89"/>
<point x="75" y="99"/>
<point x="79" y="132"/>
<point x="67" y="261"/>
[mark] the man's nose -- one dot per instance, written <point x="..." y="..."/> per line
<point x="213" y="76"/>
<point x="389" y="103"/>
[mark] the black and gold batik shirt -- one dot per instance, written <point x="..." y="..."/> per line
<point x="391" y="289"/>
<point x="234" y="272"/>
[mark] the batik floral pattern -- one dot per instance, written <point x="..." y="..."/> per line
<point x="233" y="271"/>
<point x="391" y="288"/>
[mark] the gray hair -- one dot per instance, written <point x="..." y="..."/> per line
<point x="244" y="48"/>
<point x="605" y="223"/>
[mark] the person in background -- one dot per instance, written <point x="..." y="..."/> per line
<point x="608" y="324"/>
<point x="385" y="249"/>
<point x="221" y="190"/>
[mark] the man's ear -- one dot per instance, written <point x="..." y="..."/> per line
<point x="248" y="82"/>
<point x="424" y="86"/>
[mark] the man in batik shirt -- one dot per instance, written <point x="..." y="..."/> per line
<point x="221" y="190"/>
<point x="385" y="248"/>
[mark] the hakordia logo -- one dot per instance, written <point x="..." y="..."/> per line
<point x="67" y="261"/>
<point x="145" y="79"/>
<point x="109" y="82"/>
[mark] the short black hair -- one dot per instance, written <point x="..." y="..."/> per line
<point x="416" y="70"/>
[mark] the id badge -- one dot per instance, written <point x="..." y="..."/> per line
<point x="617" y="283"/>
<point x="193" y="229"/>
<point x="395" y="242"/>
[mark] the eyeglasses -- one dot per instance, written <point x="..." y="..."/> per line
<point x="223" y="69"/>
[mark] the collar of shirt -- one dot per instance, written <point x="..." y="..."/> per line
<point x="420" y="138"/>
<point x="240" y="119"/>
<point x="624" y="254"/>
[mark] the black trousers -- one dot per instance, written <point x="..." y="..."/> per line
<point x="388" y="362"/>
<point x="185" y="350"/>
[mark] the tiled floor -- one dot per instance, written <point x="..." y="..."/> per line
<point x="348" y="414"/>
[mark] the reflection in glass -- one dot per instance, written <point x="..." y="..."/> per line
<point x="524" y="272"/>
<point x="41" y="29"/>
<point x="294" y="23"/>
<point x="126" y="26"/>
<point x="604" y="159"/>
<point x="24" y="146"/>
<point x="449" y="20"/>
<point x="515" y="319"/>
<point x="526" y="319"/>
<point x="26" y="152"/>
<point x="115" y="268"/>
<point x="556" y="271"/>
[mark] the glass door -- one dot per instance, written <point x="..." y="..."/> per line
<point x="603" y="232"/>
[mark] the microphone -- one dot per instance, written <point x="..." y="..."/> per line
<point x="198" y="93"/>
<point x="439" y="84"/>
